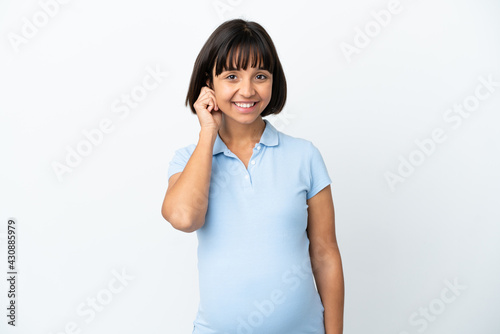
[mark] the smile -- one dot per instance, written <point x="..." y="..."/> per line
<point x="245" y="105"/>
<point x="246" y="108"/>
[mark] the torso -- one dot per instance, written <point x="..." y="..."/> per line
<point x="255" y="271"/>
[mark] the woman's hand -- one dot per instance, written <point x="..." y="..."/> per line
<point x="207" y="110"/>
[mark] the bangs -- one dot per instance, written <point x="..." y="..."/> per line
<point x="238" y="52"/>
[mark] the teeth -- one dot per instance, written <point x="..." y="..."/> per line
<point x="245" y="105"/>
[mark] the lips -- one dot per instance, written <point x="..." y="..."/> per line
<point x="245" y="107"/>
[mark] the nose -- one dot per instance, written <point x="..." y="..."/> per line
<point x="246" y="88"/>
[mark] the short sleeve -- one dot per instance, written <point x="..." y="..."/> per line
<point x="180" y="159"/>
<point x="319" y="177"/>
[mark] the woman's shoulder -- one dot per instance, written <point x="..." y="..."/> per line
<point x="187" y="148"/>
<point x="295" y="142"/>
<point x="185" y="151"/>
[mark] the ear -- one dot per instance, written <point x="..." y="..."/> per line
<point x="208" y="83"/>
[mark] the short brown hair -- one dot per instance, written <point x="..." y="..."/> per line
<point x="251" y="39"/>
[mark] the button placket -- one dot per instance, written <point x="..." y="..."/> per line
<point x="247" y="171"/>
<point x="253" y="161"/>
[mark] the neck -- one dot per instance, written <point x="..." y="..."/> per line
<point x="236" y="134"/>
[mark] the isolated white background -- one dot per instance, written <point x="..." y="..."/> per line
<point x="398" y="245"/>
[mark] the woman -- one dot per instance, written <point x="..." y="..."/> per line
<point x="259" y="200"/>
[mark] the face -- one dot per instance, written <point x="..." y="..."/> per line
<point x="243" y="94"/>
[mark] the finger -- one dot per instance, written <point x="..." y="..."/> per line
<point x="209" y="104"/>
<point x="206" y="90"/>
<point x="205" y="96"/>
<point x="203" y="93"/>
<point x="203" y="100"/>
<point x="216" y="107"/>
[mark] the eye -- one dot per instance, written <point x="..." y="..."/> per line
<point x="230" y="75"/>
<point x="263" y="76"/>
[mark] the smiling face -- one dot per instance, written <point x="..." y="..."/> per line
<point x="243" y="94"/>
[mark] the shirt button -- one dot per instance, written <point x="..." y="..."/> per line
<point x="258" y="147"/>
<point x="253" y="162"/>
<point x="246" y="176"/>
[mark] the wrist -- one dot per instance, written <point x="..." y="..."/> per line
<point x="207" y="133"/>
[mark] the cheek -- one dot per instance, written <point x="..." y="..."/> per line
<point x="268" y="92"/>
<point x="223" y="95"/>
<point x="269" y="87"/>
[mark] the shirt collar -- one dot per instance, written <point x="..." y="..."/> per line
<point x="269" y="138"/>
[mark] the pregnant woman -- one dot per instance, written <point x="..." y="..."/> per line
<point x="259" y="200"/>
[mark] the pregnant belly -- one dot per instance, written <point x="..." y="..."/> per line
<point x="284" y="301"/>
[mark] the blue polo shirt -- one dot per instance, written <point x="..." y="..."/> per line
<point x="253" y="251"/>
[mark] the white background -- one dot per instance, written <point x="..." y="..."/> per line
<point x="364" y="112"/>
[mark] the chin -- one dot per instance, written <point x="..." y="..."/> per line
<point x="243" y="118"/>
